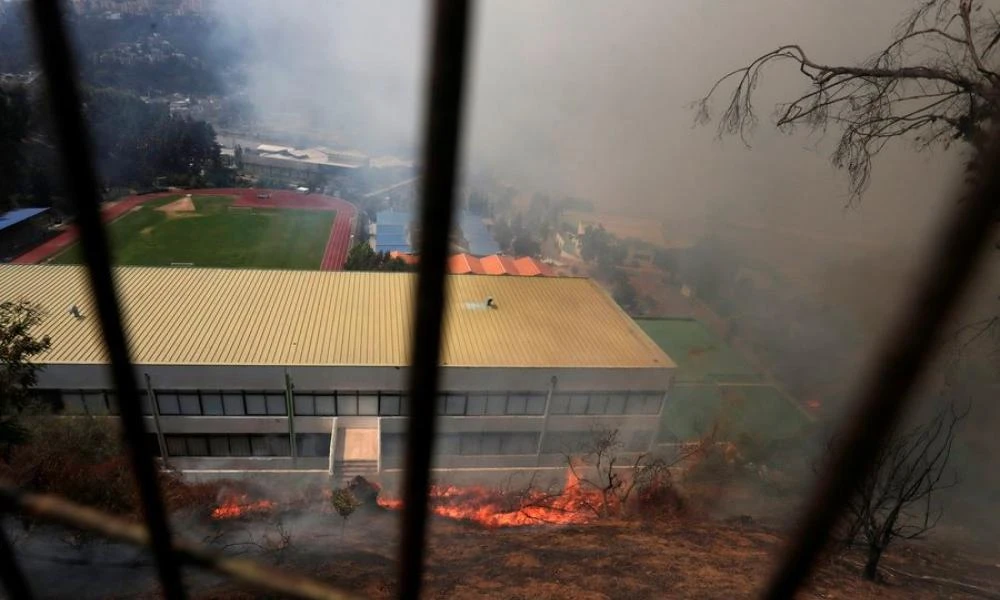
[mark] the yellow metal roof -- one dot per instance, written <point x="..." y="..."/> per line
<point x="251" y="317"/>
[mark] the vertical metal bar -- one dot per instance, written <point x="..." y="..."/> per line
<point x="290" y="408"/>
<point x="894" y="372"/>
<point x="13" y="577"/>
<point x="78" y="167"/>
<point x="154" y="410"/>
<point x="449" y="38"/>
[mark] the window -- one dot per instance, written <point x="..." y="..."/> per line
<point x="347" y="404"/>
<point x="598" y="404"/>
<point x="326" y="405"/>
<point x="312" y="444"/>
<point x="276" y="403"/>
<point x="197" y="445"/>
<point x="388" y="405"/>
<point x="255" y="403"/>
<point x="167" y="404"/>
<point x="229" y="445"/>
<point x="218" y="445"/>
<point x="304" y="405"/>
<point x="448" y="443"/>
<point x="239" y="445"/>
<point x="454" y="404"/>
<point x="471" y="443"/>
<point x="536" y="404"/>
<point x="189" y="403"/>
<point x="520" y="443"/>
<point x="476" y="404"/>
<point x="566" y="441"/>
<point x="176" y="445"/>
<point x="367" y="405"/>
<point x="496" y="404"/>
<point x="578" y="404"/>
<point x="517" y="405"/>
<point x="94" y="403"/>
<point x="559" y="404"/>
<point x="73" y="403"/>
<point x="643" y="404"/>
<point x="490" y="443"/>
<point x="211" y="403"/>
<point x="232" y="404"/>
<point x="616" y="404"/>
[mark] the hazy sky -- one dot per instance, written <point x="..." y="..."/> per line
<point x="591" y="97"/>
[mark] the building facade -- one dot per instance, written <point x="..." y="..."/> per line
<point x="295" y="370"/>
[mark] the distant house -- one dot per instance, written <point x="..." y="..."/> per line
<point x="20" y="229"/>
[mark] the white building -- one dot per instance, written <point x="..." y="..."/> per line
<point x="225" y="356"/>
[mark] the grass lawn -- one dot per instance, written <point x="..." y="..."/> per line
<point x="715" y="387"/>
<point x="759" y="412"/>
<point x="699" y="354"/>
<point x="215" y="235"/>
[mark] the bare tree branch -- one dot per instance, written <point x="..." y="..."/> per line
<point x="930" y="81"/>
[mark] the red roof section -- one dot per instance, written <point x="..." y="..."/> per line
<point x="466" y="264"/>
<point x="463" y="264"/>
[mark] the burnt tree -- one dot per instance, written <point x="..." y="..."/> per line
<point x="932" y="83"/>
<point x="898" y="499"/>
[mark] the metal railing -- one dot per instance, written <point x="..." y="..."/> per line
<point x="882" y="401"/>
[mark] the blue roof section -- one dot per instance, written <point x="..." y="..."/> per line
<point x="481" y="242"/>
<point x="19" y="215"/>
<point x="390" y="217"/>
<point x="391" y="233"/>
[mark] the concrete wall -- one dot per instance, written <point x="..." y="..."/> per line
<point x="458" y="379"/>
<point x="307" y="378"/>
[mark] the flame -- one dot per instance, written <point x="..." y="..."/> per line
<point x="236" y="507"/>
<point x="493" y="508"/>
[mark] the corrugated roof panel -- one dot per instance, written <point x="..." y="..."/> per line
<point x="13" y="217"/>
<point x="248" y="317"/>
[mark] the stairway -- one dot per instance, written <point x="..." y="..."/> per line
<point x="345" y="470"/>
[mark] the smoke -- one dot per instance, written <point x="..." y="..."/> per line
<point x="590" y="98"/>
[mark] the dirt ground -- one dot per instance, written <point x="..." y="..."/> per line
<point x="680" y="558"/>
<point x="181" y="205"/>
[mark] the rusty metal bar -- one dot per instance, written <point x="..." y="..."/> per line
<point x="449" y="38"/>
<point x="59" y="510"/>
<point x="11" y="574"/>
<point x="78" y="168"/>
<point x="904" y="354"/>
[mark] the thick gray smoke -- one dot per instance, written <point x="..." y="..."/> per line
<point x="591" y="98"/>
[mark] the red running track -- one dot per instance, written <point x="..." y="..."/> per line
<point x="334" y="255"/>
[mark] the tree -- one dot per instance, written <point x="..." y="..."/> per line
<point x="934" y="81"/>
<point x="624" y="293"/>
<point x="897" y="499"/>
<point x="526" y="245"/>
<point x="345" y="504"/>
<point x="361" y="257"/>
<point x="600" y="467"/>
<point x="17" y="373"/>
<point x="503" y="234"/>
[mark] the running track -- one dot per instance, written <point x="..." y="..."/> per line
<point x="337" y="244"/>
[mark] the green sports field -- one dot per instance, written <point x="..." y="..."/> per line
<point x="716" y="389"/>
<point x="212" y="233"/>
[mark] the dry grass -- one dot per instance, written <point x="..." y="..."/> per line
<point x="691" y="558"/>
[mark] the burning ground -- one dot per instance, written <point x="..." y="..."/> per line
<point x="487" y="553"/>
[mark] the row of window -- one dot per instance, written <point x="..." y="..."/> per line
<point x="394" y="444"/>
<point x="469" y="444"/>
<point x="574" y="442"/>
<point x="621" y="403"/>
<point x="273" y="403"/>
